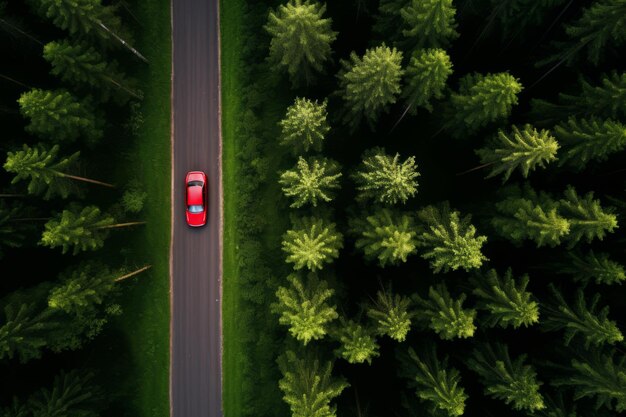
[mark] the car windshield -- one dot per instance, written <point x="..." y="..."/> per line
<point x="196" y="209"/>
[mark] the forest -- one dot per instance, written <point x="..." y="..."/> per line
<point x="77" y="269"/>
<point x="428" y="200"/>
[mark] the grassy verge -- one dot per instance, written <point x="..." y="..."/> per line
<point x="231" y="16"/>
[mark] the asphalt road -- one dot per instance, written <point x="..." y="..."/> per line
<point x="196" y="262"/>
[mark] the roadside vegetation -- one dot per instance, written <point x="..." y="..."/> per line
<point x="84" y="208"/>
<point x="423" y="205"/>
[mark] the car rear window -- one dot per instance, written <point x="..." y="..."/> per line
<point x="193" y="183"/>
<point x="195" y="209"/>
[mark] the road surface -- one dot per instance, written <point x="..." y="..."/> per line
<point x="196" y="340"/>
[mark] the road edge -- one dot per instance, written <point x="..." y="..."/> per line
<point x="171" y="201"/>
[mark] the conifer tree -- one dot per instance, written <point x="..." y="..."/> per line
<point x="311" y="181"/>
<point x="301" y="38"/>
<point x="304" y="126"/>
<point x="429" y="23"/>
<point x="388" y="23"/>
<point x="391" y="315"/>
<point x="505" y="379"/>
<point x="10" y="235"/>
<point x="587" y="218"/>
<point x="514" y="16"/>
<point x="434" y="381"/>
<point x="358" y="343"/>
<point x="506" y="299"/>
<point x="446" y="315"/>
<point x="592" y="267"/>
<point x="25" y="329"/>
<point x="312" y="243"/>
<point x="523" y="149"/>
<point x="585" y="140"/>
<point x="385" y="178"/>
<point x="369" y="85"/>
<point x="588" y="321"/>
<point x="482" y="99"/>
<point x="308" y="385"/>
<point x="598" y="374"/>
<point x="531" y="215"/>
<point x="449" y="240"/>
<point x="72" y="394"/>
<point x="59" y="116"/>
<point x="426" y="77"/>
<point x="305" y="307"/>
<point x="83" y="66"/>
<point x="386" y="236"/>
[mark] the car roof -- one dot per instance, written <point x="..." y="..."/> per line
<point x="194" y="195"/>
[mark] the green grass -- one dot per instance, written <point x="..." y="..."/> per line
<point x="231" y="16"/>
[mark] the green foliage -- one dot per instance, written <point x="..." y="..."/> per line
<point x="524" y="150"/>
<point x="592" y="267"/>
<point x="304" y="307"/>
<point x="429" y="23"/>
<point x="446" y="315"/>
<point x="134" y="199"/>
<point x="59" y="116"/>
<point x="434" y="382"/>
<point x="308" y="385"/>
<point x="391" y="315"/>
<point x="506" y="299"/>
<point x="312" y="243"/>
<point x="358" y="343"/>
<point x="301" y="38"/>
<point x="579" y="319"/>
<point x="598" y="374"/>
<point x="530" y="215"/>
<point x="44" y="168"/>
<point x="304" y="126"/>
<point x="426" y="77"/>
<point x="80" y="229"/>
<point x="482" y="99"/>
<point x="73" y="394"/>
<point x="310" y="181"/>
<point x="516" y="15"/>
<point x="385" y="179"/>
<point x="449" y="241"/>
<point x="369" y="85"/>
<point x="10" y="234"/>
<point x="386" y="236"/>
<point x="586" y="140"/>
<point x="388" y="23"/>
<point x="508" y="380"/>
<point x="587" y="218"/>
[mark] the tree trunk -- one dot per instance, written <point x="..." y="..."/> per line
<point x="132" y="274"/>
<point x="119" y="225"/>
<point x="121" y="87"/>
<point x="12" y="195"/>
<point x="20" y="31"/>
<point x="14" y="81"/>
<point x="122" y="41"/>
<point x="31" y="219"/>
<point x="77" y="178"/>
<point x="475" y="169"/>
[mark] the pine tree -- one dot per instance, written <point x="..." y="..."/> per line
<point x="586" y="140"/>
<point x="308" y="385"/>
<point x="391" y="315"/>
<point x="426" y="77"/>
<point x="304" y="126"/>
<point x="587" y="218"/>
<point x="482" y="99"/>
<point x="312" y="243"/>
<point x="25" y="329"/>
<point x="301" y="38"/>
<point x="449" y="241"/>
<point x="446" y="315"/>
<point x="515" y="16"/>
<point x="388" y="23"/>
<point x="385" y="179"/>
<point x="10" y="235"/>
<point x="508" y="380"/>
<point x="82" y="65"/>
<point x="600" y="25"/>
<point x="592" y="267"/>
<point x="524" y="150"/>
<point x="72" y="394"/>
<point x="369" y="85"/>
<point x="531" y="215"/>
<point x="598" y="374"/>
<point x="588" y="321"/>
<point x="434" y="382"/>
<point x="358" y="343"/>
<point x="305" y="307"/>
<point x="386" y="236"/>
<point x="506" y="299"/>
<point x="45" y="170"/>
<point x="59" y="116"/>
<point x="16" y="409"/>
<point x="429" y="23"/>
<point x="310" y="181"/>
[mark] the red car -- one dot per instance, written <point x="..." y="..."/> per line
<point x="196" y="203"/>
